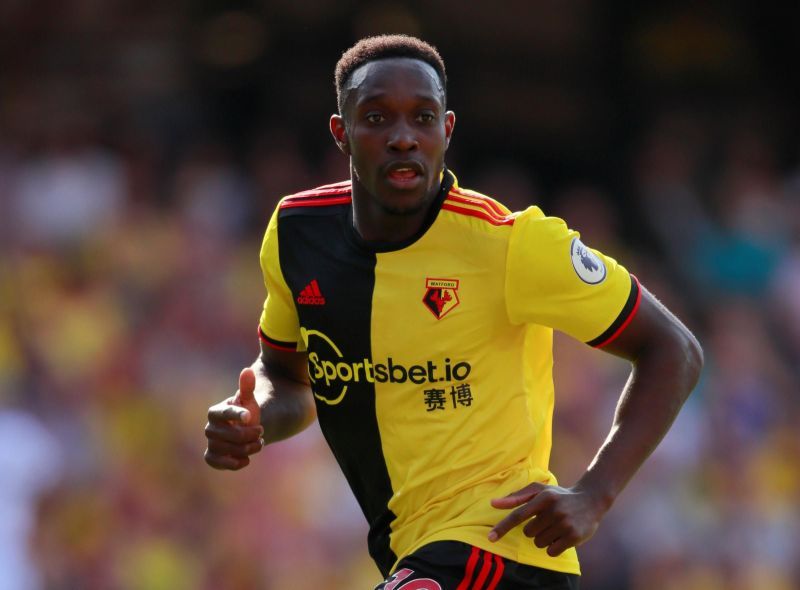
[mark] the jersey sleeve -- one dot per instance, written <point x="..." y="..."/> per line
<point x="553" y="279"/>
<point x="279" y="326"/>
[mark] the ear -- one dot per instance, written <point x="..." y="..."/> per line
<point x="339" y="133"/>
<point x="449" y="125"/>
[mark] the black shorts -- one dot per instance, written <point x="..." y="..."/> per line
<point x="451" y="565"/>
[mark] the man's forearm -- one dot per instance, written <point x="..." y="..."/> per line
<point x="660" y="382"/>
<point x="287" y="405"/>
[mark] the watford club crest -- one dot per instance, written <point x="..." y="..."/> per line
<point x="441" y="296"/>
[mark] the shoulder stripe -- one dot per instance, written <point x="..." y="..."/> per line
<point x="485" y="204"/>
<point x="482" y="204"/>
<point x="312" y="201"/>
<point x="323" y="191"/>
<point x="491" y="218"/>
<point x="329" y="194"/>
<point x="491" y="203"/>
<point x="341" y="184"/>
<point x="478" y="207"/>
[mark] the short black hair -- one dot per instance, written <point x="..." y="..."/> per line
<point x="383" y="47"/>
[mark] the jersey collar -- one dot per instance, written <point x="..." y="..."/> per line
<point x="448" y="182"/>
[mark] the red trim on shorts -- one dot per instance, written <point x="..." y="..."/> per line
<point x="487" y="566"/>
<point x="498" y="573"/>
<point x="470" y="569"/>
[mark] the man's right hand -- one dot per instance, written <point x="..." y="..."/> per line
<point x="234" y="430"/>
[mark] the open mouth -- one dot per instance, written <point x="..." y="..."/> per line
<point x="404" y="174"/>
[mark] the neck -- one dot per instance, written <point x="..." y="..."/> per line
<point x="375" y="222"/>
<point x="376" y="225"/>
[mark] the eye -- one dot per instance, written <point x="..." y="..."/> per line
<point x="426" y="117"/>
<point x="374" y="118"/>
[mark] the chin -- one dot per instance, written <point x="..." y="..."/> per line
<point x="406" y="207"/>
<point x="402" y="211"/>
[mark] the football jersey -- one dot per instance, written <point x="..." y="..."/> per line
<point x="430" y="360"/>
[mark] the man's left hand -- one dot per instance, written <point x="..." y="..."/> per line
<point x="556" y="518"/>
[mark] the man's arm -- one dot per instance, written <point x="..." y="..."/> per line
<point x="274" y="402"/>
<point x="666" y="360"/>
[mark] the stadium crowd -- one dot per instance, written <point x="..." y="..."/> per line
<point x="130" y="291"/>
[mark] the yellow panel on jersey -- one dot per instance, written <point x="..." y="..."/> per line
<point x="431" y="360"/>
<point x="442" y="471"/>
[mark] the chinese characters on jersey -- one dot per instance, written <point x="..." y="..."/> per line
<point x="440" y="399"/>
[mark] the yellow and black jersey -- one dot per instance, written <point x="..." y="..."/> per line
<point x="431" y="360"/>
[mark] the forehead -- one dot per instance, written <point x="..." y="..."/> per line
<point x="393" y="75"/>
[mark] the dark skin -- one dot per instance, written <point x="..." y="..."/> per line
<point x="273" y="402"/>
<point x="395" y="129"/>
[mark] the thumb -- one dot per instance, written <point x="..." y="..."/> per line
<point x="247" y="387"/>
<point x="519" y="497"/>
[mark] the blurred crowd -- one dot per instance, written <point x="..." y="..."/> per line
<point x="130" y="290"/>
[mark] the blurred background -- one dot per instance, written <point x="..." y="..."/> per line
<point x="143" y="146"/>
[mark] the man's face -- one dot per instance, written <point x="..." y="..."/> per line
<point x="396" y="131"/>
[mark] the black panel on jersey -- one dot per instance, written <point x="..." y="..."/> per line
<point x="332" y="284"/>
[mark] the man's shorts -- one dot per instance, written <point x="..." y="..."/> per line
<point x="451" y="565"/>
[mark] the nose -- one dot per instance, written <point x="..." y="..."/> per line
<point x="402" y="138"/>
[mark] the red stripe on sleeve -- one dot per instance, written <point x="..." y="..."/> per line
<point x="627" y="321"/>
<point x="285" y="346"/>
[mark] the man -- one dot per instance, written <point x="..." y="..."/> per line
<point x="414" y="318"/>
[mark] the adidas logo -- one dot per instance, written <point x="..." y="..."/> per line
<point x="311" y="295"/>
